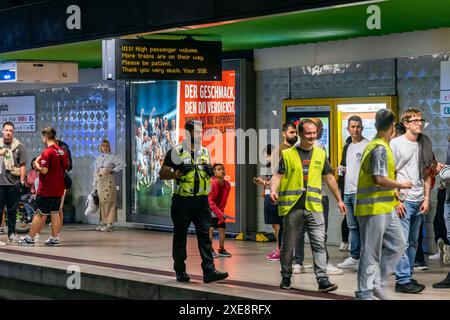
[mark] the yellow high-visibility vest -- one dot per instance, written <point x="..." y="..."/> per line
<point x="371" y="198"/>
<point x="292" y="186"/>
<point x="184" y="186"/>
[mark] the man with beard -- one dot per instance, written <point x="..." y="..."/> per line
<point x="13" y="160"/>
<point x="189" y="164"/>
<point x="289" y="132"/>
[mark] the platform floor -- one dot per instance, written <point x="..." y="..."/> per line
<point x="146" y="256"/>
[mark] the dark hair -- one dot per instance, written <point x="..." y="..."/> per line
<point x="218" y="164"/>
<point x="8" y="123"/>
<point x="49" y="132"/>
<point x="400" y="128"/>
<point x="354" y="118"/>
<point x="268" y="149"/>
<point x="190" y="124"/>
<point x="32" y="162"/>
<point x="384" y="118"/>
<point x="302" y="123"/>
<point x="287" y="125"/>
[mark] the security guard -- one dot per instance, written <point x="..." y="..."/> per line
<point x="189" y="164"/>
<point x="299" y="178"/>
<point x="381" y="234"/>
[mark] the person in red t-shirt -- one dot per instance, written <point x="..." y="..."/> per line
<point x="51" y="165"/>
<point x="218" y="196"/>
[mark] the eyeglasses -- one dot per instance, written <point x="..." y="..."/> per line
<point x="416" y="121"/>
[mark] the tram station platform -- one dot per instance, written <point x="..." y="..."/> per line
<point x="137" y="264"/>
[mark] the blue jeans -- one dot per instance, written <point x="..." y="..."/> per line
<point x="447" y="219"/>
<point x="353" y="226"/>
<point x="411" y="227"/>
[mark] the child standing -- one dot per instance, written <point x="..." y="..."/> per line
<point x="218" y="197"/>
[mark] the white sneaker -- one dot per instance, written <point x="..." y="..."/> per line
<point x="381" y="294"/>
<point x="298" y="268"/>
<point x="349" y="263"/>
<point x="13" y="238"/>
<point x="2" y="244"/>
<point x="343" y="246"/>
<point x="52" y="242"/>
<point x="99" y="228"/>
<point x="436" y="256"/>
<point x="446" y="257"/>
<point x="333" y="270"/>
<point x="440" y="244"/>
<point x="107" y="228"/>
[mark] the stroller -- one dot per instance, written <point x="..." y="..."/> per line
<point x="24" y="213"/>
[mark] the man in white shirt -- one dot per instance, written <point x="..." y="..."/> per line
<point x="351" y="173"/>
<point x="414" y="203"/>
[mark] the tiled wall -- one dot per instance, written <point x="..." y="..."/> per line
<point x="82" y="116"/>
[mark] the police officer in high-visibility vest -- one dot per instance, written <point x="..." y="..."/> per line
<point x="297" y="188"/>
<point x="189" y="164"/>
<point x="382" y="241"/>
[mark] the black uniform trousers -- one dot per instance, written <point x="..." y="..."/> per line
<point x="185" y="210"/>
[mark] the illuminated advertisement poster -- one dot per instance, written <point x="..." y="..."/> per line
<point x="214" y="104"/>
<point x="297" y="113"/>
<point x="155" y="133"/>
<point x="161" y="109"/>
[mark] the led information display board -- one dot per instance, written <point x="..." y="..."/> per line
<point x="141" y="59"/>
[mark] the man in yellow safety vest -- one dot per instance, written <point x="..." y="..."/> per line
<point x="297" y="188"/>
<point x="382" y="241"/>
<point x="189" y="164"/>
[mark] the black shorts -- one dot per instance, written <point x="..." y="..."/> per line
<point x="215" y="223"/>
<point x="47" y="205"/>
<point x="271" y="212"/>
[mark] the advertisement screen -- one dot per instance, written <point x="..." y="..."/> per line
<point x="297" y="113"/>
<point x="161" y="109"/>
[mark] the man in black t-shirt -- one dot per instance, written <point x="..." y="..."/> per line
<point x="189" y="164"/>
<point x="298" y="215"/>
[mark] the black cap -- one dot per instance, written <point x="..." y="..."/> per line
<point x="190" y="124"/>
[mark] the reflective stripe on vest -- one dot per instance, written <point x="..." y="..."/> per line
<point x="291" y="186"/>
<point x="372" y="199"/>
<point x="184" y="186"/>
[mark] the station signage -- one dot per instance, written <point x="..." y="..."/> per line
<point x="143" y="59"/>
<point x="21" y="111"/>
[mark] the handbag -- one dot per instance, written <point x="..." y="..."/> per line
<point x="91" y="206"/>
<point x="67" y="179"/>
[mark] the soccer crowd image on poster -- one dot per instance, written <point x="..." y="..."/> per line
<point x="161" y="110"/>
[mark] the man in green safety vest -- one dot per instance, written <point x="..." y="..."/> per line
<point x="297" y="188"/>
<point x="382" y="241"/>
<point x="189" y="164"/>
